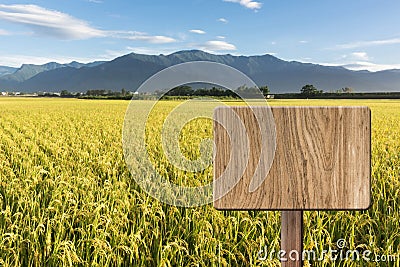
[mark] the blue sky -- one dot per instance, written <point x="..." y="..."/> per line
<point x="360" y="34"/>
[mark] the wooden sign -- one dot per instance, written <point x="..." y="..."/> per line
<point x="321" y="161"/>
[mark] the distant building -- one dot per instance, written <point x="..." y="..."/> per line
<point x="4" y="93"/>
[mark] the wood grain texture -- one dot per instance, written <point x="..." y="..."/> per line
<point x="292" y="238"/>
<point x="322" y="159"/>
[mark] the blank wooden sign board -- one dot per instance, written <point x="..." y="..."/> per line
<point x="322" y="159"/>
<point x="321" y="162"/>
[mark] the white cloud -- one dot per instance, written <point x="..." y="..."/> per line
<point x="217" y="45"/>
<point x="360" y="55"/>
<point x="359" y="44"/>
<point x="153" y="39"/>
<point x="247" y="3"/>
<point x="59" y="25"/>
<point x="95" y="1"/>
<point x="141" y="36"/>
<point x="197" y="31"/>
<point x="221" y="37"/>
<point x="223" y="20"/>
<point x="49" y="22"/>
<point x="356" y="65"/>
<point x="4" y="32"/>
<point x="362" y="65"/>
<point x="303" y="42"/>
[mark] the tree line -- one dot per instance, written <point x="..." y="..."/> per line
<point x="307" y="90"/>
<point x="186" y="91"/>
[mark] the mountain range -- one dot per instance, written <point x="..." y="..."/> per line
<point x="131" y="70"/>
<point x="6" y="70"/>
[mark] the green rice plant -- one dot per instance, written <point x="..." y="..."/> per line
<point x="67" y="197"/>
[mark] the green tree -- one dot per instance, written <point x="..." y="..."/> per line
<point x="65" y="93"/>
<point x="248" y="92"/>
<point x="265" y="90"/>
<point x="183" y="90"/>
<point x="310" y="90"/>
<point x="96" y="92"/>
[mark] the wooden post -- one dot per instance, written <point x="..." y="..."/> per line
<point x="292" y="238"/>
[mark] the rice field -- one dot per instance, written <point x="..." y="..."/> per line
<point x="67" y="197"/>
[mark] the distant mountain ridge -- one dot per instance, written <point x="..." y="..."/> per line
<point x="129" y="71"/>
<point x="4" y="70"/>
<point x="27" y="71"/>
